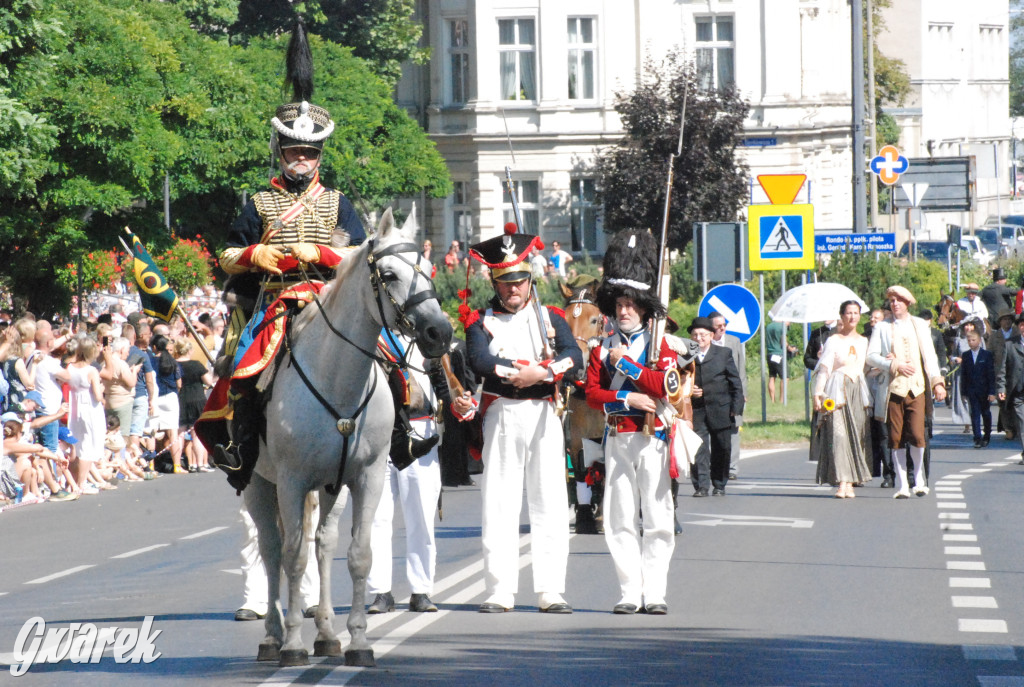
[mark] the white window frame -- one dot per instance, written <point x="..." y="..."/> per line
<point x="519" y="51"/>
<point x="460" y="221"/>
<point x="529" y="204"/>
<point x="581" y="208"/>
<point x="578" y="52"/>
<point x="717" y="48"/>
<point x="458" y="47"/>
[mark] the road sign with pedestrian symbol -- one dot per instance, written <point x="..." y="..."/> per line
<point x="781" y="236"/>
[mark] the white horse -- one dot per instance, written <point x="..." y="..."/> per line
<point x="329" y="384"/>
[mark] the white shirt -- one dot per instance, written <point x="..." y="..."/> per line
<point x="47" y="384"/>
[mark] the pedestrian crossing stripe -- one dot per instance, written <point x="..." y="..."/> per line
<point x="780" y="237"/>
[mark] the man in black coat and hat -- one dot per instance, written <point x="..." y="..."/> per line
<point x="997" y="296"/>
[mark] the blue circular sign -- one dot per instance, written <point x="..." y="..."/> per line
<point x="738" y="305"/>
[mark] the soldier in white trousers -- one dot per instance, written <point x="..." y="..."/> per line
<point x="638" y="508"/>
<point x="416" y="488"/>
<point x="521" y="350"/>
<point x="254" y="574"/>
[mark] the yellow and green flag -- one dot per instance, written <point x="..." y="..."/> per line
<point x="158" y="299"/>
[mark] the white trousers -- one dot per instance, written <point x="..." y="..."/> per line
<point x="523" y="439"/>
<point x="254" y="575"/>
<point x="637" y="478"/>
<point x="416" y="488"/>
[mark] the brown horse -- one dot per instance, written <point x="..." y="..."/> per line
<point x="588" y="327"/>
<point x="949" y="313"/>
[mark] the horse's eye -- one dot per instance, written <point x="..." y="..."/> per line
<point x="388" y="277"/>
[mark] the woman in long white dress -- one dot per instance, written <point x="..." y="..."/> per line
<point x="843" y="402"/>
<point x="86" y="420"/>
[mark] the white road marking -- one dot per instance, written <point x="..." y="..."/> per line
<point x="970" y="582"/>
<point x="204" y="532"/>
<point x="946" y="526"/>
<point x="965" y="565"/>
<point x="750" y="521"/>
<point x="755" y="453"/>
<point x="959" y="537"/>
<point x="952" y="490"/>
<point x="63" y="573"/>
<point x="989" y="652"/>
<point x="946" y="495"/>
<point x="782" y="485"/>
<point x="982" y="625"/>
<point x="1000" y="681"/>
<point x="955" y="516"/>
<point x="4" y="593"/>
<point x="234" y="571"/>
<point x="955" y="475"/>
<point x="963" y="551"/>
<point x="978" y="470"/>
<point x="136" y="552"/>
<point x="974" y="602"/>
<point x="949" y="483"/>
<point x="995" y="465"/>
<point x="945" y="504"/>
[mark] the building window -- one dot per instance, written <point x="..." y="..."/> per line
<point x="582" y="58"/>
<point x="458" y="61"/>
<point x="715" y="52"/>
<point x="518" y="59"/>
<point x="462" y="217"/>
<point x="528" y="195"/>
<point x="584" y="215"/>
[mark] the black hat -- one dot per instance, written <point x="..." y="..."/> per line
<point x="506" y="255"/>
<point x="925" y="314"/>
<point x="1005" y="312"/>
<point x="701" y="323"/>
<point x="299" y="123"/>
<point x="631" y="271"/>
<point x="998" y="273"/>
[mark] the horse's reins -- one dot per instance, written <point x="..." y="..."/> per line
<point x="346" y="426"/>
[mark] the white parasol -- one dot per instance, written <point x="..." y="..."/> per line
<point x="813" y="303"/>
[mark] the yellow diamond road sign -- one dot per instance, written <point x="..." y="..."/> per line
<point x="781" y="237"/>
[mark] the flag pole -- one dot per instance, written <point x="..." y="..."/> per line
<point x="195" y="334"/>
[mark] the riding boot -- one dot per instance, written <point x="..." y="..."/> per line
<point x="238" y="457"/>
<point x="406" y="445"/>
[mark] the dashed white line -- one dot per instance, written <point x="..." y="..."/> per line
<point x="952" y="490"/>
<point x="63" y="573"/>
<point x="974" y="602"/>
<point x="959" y="537"/>
<point x="995" y="465"/>
<point x="971" y="582"/>
<point x="944" y="504"/>
<point x="978" y="470"/>
<point x="960" y="526"/>
<point x="989" y="652"/>
<point x="136" y="552"/>
<point x="205" y="532"/>
<point x="955" y="516"/>
<point x="982" y="625"/>
<point x="965" y="565"/>
<point x="947" y="495"/>
<point x="963" y="551"/>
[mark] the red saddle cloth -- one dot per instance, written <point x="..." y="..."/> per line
<point x="211" y="427"/>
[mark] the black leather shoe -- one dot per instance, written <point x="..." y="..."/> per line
<point x="585" y="521"/>
<point x="887" y="483"/>
<point x="488" y="607"/>
<point x="984" y="442"/>
<point x="718" y="492"/>
<point x="561" y="608"/>
<point x="977" y="443"/>
<point x="700" y="492"/>
<point x="311" y="611"/>
<point x="247" y="614"/>
<point x="624" y="609"/>
<point x="382" y="603"/>
<point x="656" y="609"/>
<point x="421" y="603"/>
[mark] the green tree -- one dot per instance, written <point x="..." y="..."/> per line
<point x="382" y="32"/>
<point x="710" y="182"/>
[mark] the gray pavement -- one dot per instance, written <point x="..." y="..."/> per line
<point x="775" y="584"/>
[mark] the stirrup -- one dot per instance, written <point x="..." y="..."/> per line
<point x="227" y="458"/>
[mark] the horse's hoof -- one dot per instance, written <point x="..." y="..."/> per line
<point x="269" y="652"/>
<point x="294" y="657"/>
<point x="360" y="657"/>
<point x="327" y="647"/>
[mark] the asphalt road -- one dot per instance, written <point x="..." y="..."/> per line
<point x="775" y="584"/>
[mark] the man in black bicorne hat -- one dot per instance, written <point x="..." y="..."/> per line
<point x="997" y="296"/>
<point x="521" y="351"/>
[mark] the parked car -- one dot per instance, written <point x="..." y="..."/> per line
<point x="1006" y="219"/>
<point x="1011" y="236"/>
<point x="992" y="242"/>
<point x="939" y="250"/>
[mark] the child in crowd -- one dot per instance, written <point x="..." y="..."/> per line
<point x="116" y="454"/>
<point x="978" y="386"/>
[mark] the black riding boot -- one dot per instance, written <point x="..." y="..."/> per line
<point x="585" y="521"/>
<point x="406" y="446"/>
<point x="238" y="457"/>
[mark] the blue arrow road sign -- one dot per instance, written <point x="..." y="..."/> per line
<point x="739" y="306"/>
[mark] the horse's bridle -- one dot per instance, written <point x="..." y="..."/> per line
<point x="578" y="301"/>
<point x="377" y="281"/>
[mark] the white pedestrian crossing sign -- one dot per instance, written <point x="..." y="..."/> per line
<point x="780" y="237"/>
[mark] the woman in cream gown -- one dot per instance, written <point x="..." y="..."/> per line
<point x="843" y="402"/>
